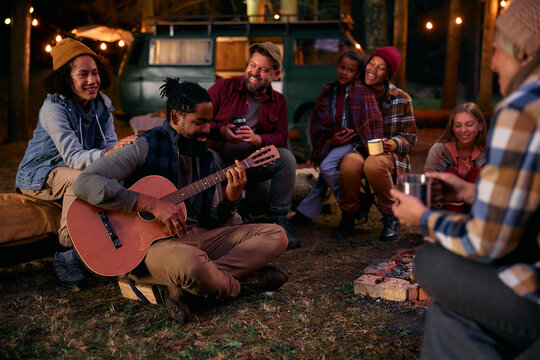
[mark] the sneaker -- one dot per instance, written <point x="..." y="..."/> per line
<point x="346" y="226"/>
<point x="269" y="278"/>
<point x="300" y="219"/>
<point x="171" y="297"/>
<point x="282" y="221"/>
<point x="67" y="268"/>
<point x="391" y="228"/>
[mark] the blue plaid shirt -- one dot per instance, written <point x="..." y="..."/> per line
<point x="506" y="211"/>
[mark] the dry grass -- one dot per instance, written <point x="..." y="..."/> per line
<point x="315" y="315"/>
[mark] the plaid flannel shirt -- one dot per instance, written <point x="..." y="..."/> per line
<point x="362" y="109"/>
<point x="506" y="210"/>
<point x="399" y="125"/>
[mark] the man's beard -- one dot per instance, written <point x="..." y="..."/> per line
<point x="254" y="88"/>
<point x="192" y="145"/>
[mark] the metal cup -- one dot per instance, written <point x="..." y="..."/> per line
<point x="375" y="146"/>
<point x="417" y="185"/>
<point x="238" y="121"/>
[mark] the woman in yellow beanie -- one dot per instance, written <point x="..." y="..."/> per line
<point x="75" y="127"/>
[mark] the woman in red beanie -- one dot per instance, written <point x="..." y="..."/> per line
<point x="400" y="133"/>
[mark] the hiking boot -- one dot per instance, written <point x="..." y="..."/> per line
<point x="171" y="297"/>
<point x="282" y="221"/>
<point x="300" y="219"/>
<point x="391" y="228"/>
<point x="67" y="269"/>
<point x="345" y="228"/>
<point x="269" y="278"/>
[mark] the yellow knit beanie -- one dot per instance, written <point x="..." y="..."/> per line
<point x="68" y="49"/>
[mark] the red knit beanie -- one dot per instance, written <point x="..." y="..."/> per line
<point x="391" y="56"/>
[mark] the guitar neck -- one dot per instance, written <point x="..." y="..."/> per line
<point x="200" y="185"/>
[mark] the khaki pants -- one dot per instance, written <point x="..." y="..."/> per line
<point x="59" y="185"/>
<point x="210" y="262"/>
<point x="378" y="170"/>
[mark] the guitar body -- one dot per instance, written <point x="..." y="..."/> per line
<point x="133" y="234"/>
<point x="114" y="242"/>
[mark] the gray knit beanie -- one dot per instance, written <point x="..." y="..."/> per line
<point x="520" y="23"/>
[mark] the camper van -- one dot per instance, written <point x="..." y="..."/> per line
<point x="205" y="51"/>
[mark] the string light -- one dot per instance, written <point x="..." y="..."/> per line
<point x="58" y="38"/>
<point x="35" y="22"/>
<point x="48" y="48"/>
<point x="31" y="10"/>
<point x="121" y="43"/>
<point x="503" y="3"/>
<point x="103" y="46"/>
<point x="429" y="25"/>
<point x="7" y="21"/>
<point x="276" y="16"/>
<point x="459" y="21"/>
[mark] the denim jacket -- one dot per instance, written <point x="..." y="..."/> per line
<point x="57" y="140"/>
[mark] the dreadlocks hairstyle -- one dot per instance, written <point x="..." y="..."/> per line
<point x="59" y="81"/>
<point x="183" y="96"/>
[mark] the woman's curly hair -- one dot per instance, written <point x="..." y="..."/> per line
<point x="59" y="81"/>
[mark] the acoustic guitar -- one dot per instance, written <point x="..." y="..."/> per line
<point x="114" y="242"/>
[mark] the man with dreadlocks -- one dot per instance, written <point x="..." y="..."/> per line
<point x="201" y="258"/>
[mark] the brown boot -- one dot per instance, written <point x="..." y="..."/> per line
<point x="269" y="278"/>
<point x="171" y="297"/>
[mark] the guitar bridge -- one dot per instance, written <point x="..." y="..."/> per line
<point x="110" y="231"/>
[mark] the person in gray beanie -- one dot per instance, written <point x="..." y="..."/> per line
<point x="482" y="270"/>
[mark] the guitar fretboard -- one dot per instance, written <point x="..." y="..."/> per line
<point x="205" y="183"/>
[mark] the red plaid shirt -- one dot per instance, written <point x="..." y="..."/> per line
<point x="399" y="125"/>
<point x="362" y="109"/>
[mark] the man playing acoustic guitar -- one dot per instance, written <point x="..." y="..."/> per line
<point x="208" y="253"/>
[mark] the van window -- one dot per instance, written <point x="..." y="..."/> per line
<point x="180" y="52"/>
<point x="317" y="51"/>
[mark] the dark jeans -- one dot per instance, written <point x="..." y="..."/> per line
<point x="282" y="173"/>
<point x="474" y="315"/>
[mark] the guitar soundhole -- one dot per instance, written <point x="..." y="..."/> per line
<point x="146" y="216"/>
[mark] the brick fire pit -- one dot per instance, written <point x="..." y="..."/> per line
<point x="392" y="280"/>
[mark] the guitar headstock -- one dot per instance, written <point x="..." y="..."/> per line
<point x="262" y="156"/>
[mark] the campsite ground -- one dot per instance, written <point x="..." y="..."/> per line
<point x="316" y="315"/>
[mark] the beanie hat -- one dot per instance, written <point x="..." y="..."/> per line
<point x="520" y="23"/>
<point x="271" y="48"/>
<point x="391" y="56"/>
<point x="68" y="49"/>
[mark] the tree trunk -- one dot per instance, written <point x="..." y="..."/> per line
<point x="374" y="24"/>
<point x="345" y="7"/>
<point x="486" y="75"/>
<point x="401" y="25"/>
<point x="452" y="58"/>
<point x="19" y="77"/>
<point x="473" y="29"/>
<point x="147" y="12"/>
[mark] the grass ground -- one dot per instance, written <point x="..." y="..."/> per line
<point x="316" y="315"/>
